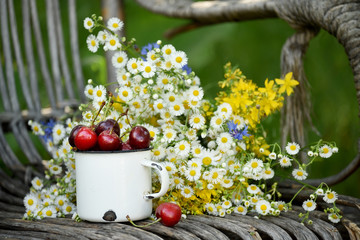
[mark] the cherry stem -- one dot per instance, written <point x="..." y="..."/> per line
<point x="146" y="225"/>
<point x="101" y="107"/>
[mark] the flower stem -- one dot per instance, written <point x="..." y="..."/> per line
<point x="146" y="225"/>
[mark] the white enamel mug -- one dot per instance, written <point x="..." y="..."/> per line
<point x="112" y="185"/>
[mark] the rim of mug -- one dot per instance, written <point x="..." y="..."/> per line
<point x="117" y="151"/>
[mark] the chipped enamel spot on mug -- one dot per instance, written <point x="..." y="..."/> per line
<point x="109" y="216"/>
<point x="157" y="166"/>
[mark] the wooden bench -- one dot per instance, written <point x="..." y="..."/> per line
<point x="62" y="82"/>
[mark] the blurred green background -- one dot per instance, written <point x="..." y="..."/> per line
<point x="255" y="47"/>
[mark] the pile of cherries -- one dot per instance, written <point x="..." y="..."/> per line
<point x="105" y="136"/>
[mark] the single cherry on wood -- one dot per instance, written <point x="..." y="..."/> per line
<point x="170" y="213"/>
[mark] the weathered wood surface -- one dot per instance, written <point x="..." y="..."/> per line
<point x="286" y="226"/>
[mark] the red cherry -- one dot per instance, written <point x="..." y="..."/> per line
<point x="139" y="137"/>
<point x="108" y="141"/>
<point x="73" y="133"/>
<point x="85" y="139"/>
<point x="170" y="213"/>
<point x="108" y="124"/>
<point x="125" y="146"/>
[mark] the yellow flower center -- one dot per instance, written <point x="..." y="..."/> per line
<point x="178" y="59"/>
<point x="168" y="64"/>
<point x="125" y="93"/>
<point x="68" y="208"/>
<point x="48" y="213"/>
<point x="115" y="25"/>
<point x="187" y="191"/>
<point x="196" y="93"/>
<point x="177" y="181"/>
<point x="215" y="175"/>
<point x="89" y="23"/>
<point x="263" y="207"/>
<point x="169" y="135"/>
<point x="309" y="204"/>
<point x="192" y="173"/>
<point x="224" y="110"/>
<point x="292" y="147"/>
<point x="99" y="93"/>
<point x="112" y="42"/>
<point x="168" y="51"/>
<point x="160" y="106"/>
<point x="218" y="121"/>
<point x="152" y="134"/>
<point x="120" y="59"/>
<point x="224" y="140"/>
<point x="30" y="202"/>
<point x="330" y="195"/>
<point x="182" y="147"/>
<point x="90" y="92"/>
<point x="157" y="153"/>
<point x="281" y="207"/>
<point x="38" y="182"/>
<point x="253" y="188"/>
<point x="171" y="98"/>
<point x="147" y="69"/>
<point x="240" y="209"/>
<point x="197" y="151"/>
<point x="254" y="165"/>
<point x="207" y="160"/>
<point x="36" y="128"/>
<point x="300" y="173"/>
<point x="58" y="132"/>
<point x="267" y="171"/>
<point x="165" y="81"/>
<point x="93" y="43"/>
<point x="325" y="150"/>
<point x="61" y="202"/>
<point x="134" y="66"/>
<point x="196" y="120"/>
<point x="168" y="168"/>
<point x="176" y="107"/>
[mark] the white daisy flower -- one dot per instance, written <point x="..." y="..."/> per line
<point x="177" y="108"/>
<point x="268" y="173"/>
<point x="187" y="192"/>
<point x="163" y="80"/>
<point x="36" y="128"/>
<point x="255" y="165"/>
<point x="211" y="209"/>
<point x="319" y="191"/>
<point x="330" y="196"/>
<point x="168" y="50"/>
<point x="58" y="133"/>
<point x="125" y="93"/>
<point x="179" y="59"/>
<point x="240" y="210"/>
<point x="292" y="148"/>
<point x="209" y="157"/>
<point x="215" y="175"/>
<point x="89" y="91"/>
<point x="263" y="207"/>
<point x="325" y="151"/>
<point x="31" y="201"/>
<point x="88" y="23"/>
<point x="102" y="36"/>
<point x="87" y="116"/>
<point x="69" y="176"/>
<point x="92" y="43"/>
<point x="224" y="141"/>
<point x="272" y="156"/>
<point x="194" y="163"/>
<point x="281" y="205"/>
<point x="227" y="182"/>
<point x="226" y="204"/>
<point x="158" y="153"/>
<point x="182" y="148"/>
<point x="193" y="174"/>
<point x="147" y="70"/>
<point x="178" y="182"/>
<point x="159" y="105"/>
<point x="196" y="121"/>
<point x="172" y="98"/>
<point x="64" y="149"/>
<point x="195" y="93"/>
<point x="60" y="201"/>
<point x="299" y="174"/>
<point x="136" y="104"/>
<point x="253" y="189"/>
<point x="191" y="134"/>
<point x="195" y="105"/>
<point x="55" y="169"/>
<point x="309" y="205"/>
<point x="152" y="57"/>
<point x="115" y="24"/>
<point x="47" y="201"/>
<point x="196" y="150"/>
<point x="285" y="161"/>
<point x="216" y="122"/>
<point x="49" y="212"/>
<point x="170" y="167"/>
<point x="99" y="93"/>
<point x="167" y="65"/>
<point x="133" y="65"/>
<point x="112" y="43"/>
<point x="169" y="135"/>
<point x="334" y="217"/>
<point x="68" y="208"/>
<point x="119" y="59"/>
<point x="154" y="132"/>
<point x="224" y="110"/>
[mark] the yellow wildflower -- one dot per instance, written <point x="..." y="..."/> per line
<point x="287" y="84"/>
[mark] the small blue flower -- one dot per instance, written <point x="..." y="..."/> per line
<point x="235" y="133"/>
<point x="148" y="47"/>
<point x="187" y="69"/>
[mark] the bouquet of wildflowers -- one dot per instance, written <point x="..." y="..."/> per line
<point x="214" y="150"/>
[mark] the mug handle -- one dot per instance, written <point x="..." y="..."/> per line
<point x="164" y="176"/>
